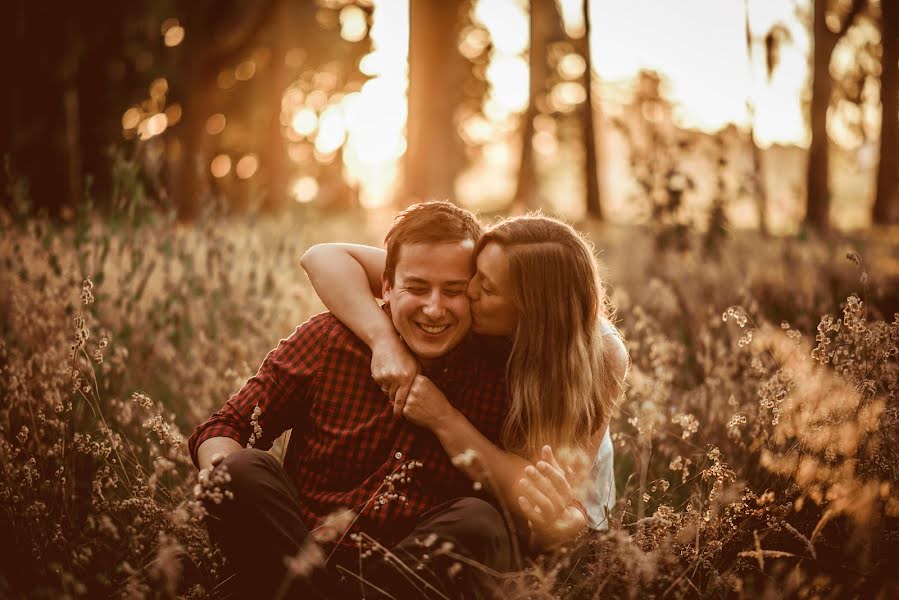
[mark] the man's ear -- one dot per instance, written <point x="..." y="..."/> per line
<point x="385" y="289"/>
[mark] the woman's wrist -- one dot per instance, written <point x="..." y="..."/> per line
<point x="446" y="428"/>
<point x="384" y="338"/>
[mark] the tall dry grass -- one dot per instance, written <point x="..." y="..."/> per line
<point x="755" y="448"/>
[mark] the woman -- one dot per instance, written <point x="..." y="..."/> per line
<point x="535" y="284"/>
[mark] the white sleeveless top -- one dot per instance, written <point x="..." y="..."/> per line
<point x="600" y="496"/>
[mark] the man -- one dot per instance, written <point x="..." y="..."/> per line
<point x="348" y="450"/>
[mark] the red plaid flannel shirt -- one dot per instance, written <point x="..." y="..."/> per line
<point x="346" y="448"/>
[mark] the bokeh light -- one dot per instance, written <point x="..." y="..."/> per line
<point x="246" y="167"/>
<point x="131" y="118"/>
<point x="215" y="124"/>
<point x="353" y="23"/>
<point x="220" y="166"/>
<point x="304" y="121"/>
<point x="304" y="189"/>
<point x="172" y="32"/>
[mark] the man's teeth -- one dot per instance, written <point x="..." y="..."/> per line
<point x="433" y="329"/>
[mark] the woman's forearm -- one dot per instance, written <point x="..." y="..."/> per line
<point x="500" y="471"/>
<point x="340" y="275"/>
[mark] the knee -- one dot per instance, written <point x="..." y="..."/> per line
<point x="482" y="530"/>
<point x="240" y="472"/>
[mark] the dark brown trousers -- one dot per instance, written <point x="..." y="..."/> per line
<point x="261" y="526"/>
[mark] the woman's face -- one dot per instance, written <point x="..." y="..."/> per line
<point x="490" y="290"/>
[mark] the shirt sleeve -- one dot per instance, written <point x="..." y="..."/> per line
<point x="281" y="390"/>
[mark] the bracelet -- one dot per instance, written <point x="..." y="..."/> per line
<point x="578" y="505"/>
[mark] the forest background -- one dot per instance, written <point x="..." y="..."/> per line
<point x="735" y="163"/>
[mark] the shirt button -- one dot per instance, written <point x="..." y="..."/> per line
<point x="398" y="456"/>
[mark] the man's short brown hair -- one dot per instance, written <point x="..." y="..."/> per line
<point x="436" y="222"/>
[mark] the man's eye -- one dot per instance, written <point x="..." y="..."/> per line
<point x="416" y="290"/>
<point x="454" y="292"/>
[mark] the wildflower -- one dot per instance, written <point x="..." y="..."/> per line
<point x="737" y="313"/>
<point x="465" y="459"/>
<point x="333" y="526"/>
<point x="142" y="399"/>
<point x="87" y="296"/>
<point x="454" y="569"/>
<point x="257" y="428"/>
<point x="309" y="557"/>
<point x="689" y="424"/>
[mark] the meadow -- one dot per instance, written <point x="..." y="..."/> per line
<point x="757" y="445"/>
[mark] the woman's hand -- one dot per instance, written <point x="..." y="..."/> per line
<point x="547" y="499"/>
<point x="425" y="405"/>
<point x="393" y="367"/>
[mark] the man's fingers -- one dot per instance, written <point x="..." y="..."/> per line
<point x="217" y="458"/>
<point x="391" y="392"/>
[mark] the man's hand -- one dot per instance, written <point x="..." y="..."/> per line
<point x="425" y="405"/>
<point x="393" y="368"/>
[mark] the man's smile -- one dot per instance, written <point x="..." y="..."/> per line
<point x="432" y="329"/>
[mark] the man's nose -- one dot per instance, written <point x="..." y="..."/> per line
<point x="434" y="307"/>
<point x="472" y="290"/>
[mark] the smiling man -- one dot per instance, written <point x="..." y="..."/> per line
<point x="350" y="448"/>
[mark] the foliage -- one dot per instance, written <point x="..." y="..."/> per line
<point x="753" y="454"/>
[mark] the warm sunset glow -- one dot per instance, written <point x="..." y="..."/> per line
<point x="331" y="130"/>
<point x="220" y="166"/>
<point x="709" y="88"/>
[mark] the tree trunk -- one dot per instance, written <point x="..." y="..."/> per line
<point x="433" y="153"/>
<point x="274" y="154"/>
<point x="818" y="173"/>
<point x="591" y="164"/>
<point x="886" y="202"/>
<point x="216" y="40"/>
<point x="526" y="186"/>
<point x="192" y="178"/>
<point x="757" y="178"/>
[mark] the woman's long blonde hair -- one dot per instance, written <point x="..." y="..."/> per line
<point x="562" y="384"/>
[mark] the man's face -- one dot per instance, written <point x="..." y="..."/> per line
<point x="427" y="299"/>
